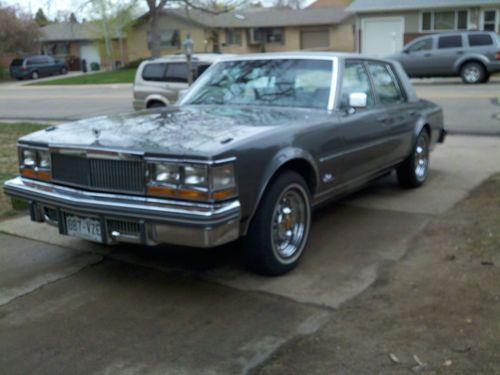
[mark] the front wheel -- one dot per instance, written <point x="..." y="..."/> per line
<point x="35" y="75"/>
<point x="413" y="171"/>
<point x="64" y="70"/>
<point x="279" y="231"/>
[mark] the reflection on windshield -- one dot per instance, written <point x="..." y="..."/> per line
<point x="285" y="83"/>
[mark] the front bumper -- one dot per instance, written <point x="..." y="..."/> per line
<point x="153" y="221"/>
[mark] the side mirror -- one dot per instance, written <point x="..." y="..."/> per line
<point x="358" y="100"/>
<point x="407" y="51"/>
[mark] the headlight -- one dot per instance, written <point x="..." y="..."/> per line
<point x="195" y="175"/>
<point x="44" y="159"/>
<point x="28" y="157"/>
<point x="166" y="173"/>
<point x="35" y="163"/>
<point x="191" y="181"/>
<point x="223" y="177"/>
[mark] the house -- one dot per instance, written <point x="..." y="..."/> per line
<point x="384" y="26"/>
<point x="247" y="30"/>
<point x="67" y="40"/>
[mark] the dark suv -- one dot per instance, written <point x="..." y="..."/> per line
<point x="35" y="67"/>
<point x="472" y="55"/>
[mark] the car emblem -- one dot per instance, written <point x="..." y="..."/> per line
<point x="97" y="133"/>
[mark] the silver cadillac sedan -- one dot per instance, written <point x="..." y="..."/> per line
<point x="256" y="143"/>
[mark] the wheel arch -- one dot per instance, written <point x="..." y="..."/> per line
<point x="155" y="98"/>
<point x="293" y="159"/>
<point x="476" y="59"/>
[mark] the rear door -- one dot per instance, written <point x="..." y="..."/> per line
<point x="153" y="81"/>
<point x="449" y="49"/>
<point x="398" y="118"/>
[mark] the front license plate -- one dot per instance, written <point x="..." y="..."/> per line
<point x="84" y="227"/>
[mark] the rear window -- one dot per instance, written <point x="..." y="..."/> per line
<point x="17" y="62"/>
<point x="452" y="41"/>
<point x="154" y="72"/>
<point x="480" y="40"/>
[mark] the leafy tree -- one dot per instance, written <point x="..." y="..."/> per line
<point x="40" y="18"/>
<point x="72" y="18"/>
<point x="19" y="32"/>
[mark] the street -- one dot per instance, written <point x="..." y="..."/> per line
<point x="70" y="306"/>
<point x="468" y="109"/>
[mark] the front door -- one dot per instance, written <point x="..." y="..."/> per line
<point x="417" y="57"/>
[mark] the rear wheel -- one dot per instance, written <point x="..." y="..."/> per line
<point x="473" y="72"/>
<point x="279" y="231"/>
<point x="64" y="70"/>
<point x="413" y="171"/>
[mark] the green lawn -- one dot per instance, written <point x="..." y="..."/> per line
<point x="117" y="76"/>
<point x="9" y="133"/>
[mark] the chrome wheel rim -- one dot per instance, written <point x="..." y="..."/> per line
<point x="290" y="224"/>
<point x="34" y="75"/>
<point x="421" y="158"/>
<point x="472" y="74"/>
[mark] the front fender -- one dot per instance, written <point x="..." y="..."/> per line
<point x="279" y="160"/>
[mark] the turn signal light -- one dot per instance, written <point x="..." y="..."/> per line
<point x="37" y="174"/>
<point x="164" y="191"/>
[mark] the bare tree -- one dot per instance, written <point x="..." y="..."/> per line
<point x="19" y="32"/>
<point x="156" y="6"/>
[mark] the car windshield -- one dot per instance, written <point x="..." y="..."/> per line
<point x="270" y="82"/>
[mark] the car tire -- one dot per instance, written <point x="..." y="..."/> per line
<point x="64" y="71"/>
<point x="486" y="78"/>
<point x="473" y="73"/>
<point x="156" y="105"/>
<point x="279" y="231"/>
<point x="413" y="171"/>
<point x="35" y="75"/>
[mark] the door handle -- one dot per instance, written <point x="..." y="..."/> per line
<point x="385" y="119"/>
<point x="427" y="54"/>
<point x="460" y="52"/>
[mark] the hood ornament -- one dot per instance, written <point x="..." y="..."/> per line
<point x="97" y="133"/>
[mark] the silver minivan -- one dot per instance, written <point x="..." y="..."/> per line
<point x="159" y="82"/>
<point x="472" y="55"/>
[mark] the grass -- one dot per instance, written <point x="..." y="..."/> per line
<point x="117" y="76"/>
<point x="9" y="133"/>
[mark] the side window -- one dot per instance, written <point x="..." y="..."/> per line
<point x="154" y="72"/>
<point x="476" y="40"/>
<point x="355" y="80"/>
<point x="452" y="41"/>
<point x="177" y="72"/>
<point x="385" y="83"/>
<point x="421" y="45"/>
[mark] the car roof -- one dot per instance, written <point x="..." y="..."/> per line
<point x="304" y="55"/>
<point x="197" y="57"/>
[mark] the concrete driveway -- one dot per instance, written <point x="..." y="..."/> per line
<point x="67" y="306"/>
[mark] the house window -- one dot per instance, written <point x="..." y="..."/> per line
<point x="444" y="20"/>
<point x="233" y="37"/>
<point x="489" y="20"/>
<point x="275" y="35"/>
<point x="168" y="39"/>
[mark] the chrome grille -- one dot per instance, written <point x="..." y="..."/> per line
<point x="129" y="228"/>
<point x="127" y="176"/>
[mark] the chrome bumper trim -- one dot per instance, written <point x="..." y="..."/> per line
<point x="166" y="221"/>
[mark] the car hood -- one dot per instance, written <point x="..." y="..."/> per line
<point x="189" y="130"/>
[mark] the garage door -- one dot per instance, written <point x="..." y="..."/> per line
<point x="90" y="53"/>
<point x="382" y="36"/>
<point x="314" y="39"/>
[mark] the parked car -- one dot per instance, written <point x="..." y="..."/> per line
<point x="250" y="149"/>
<point x="472" y="55"/>
<point x="35" y="67"/>
<point x="159" y="82"/>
